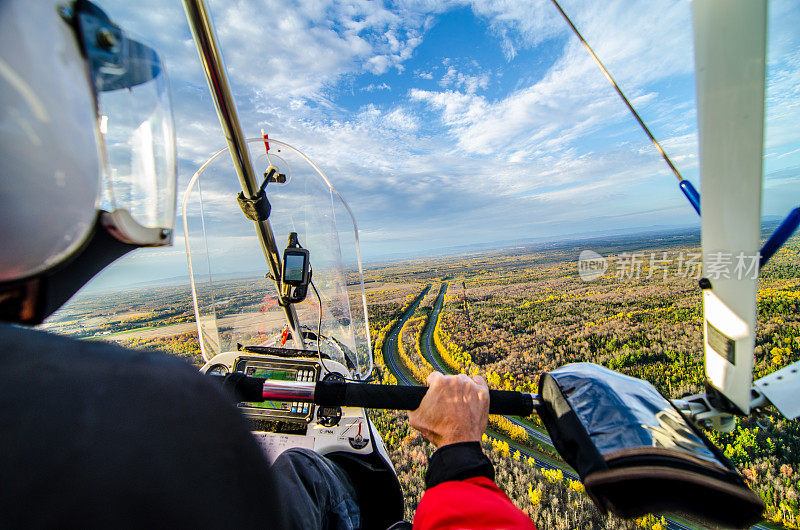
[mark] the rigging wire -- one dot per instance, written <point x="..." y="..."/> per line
<point x="621" y="94"/>
<point x="319" y="341"/>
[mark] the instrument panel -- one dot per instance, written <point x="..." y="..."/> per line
<point x="278" y="426"/>
<point x="281" y="370"/>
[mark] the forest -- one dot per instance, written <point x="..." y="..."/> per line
<point x="515" y="316"/>
<point x="512" y="314"/>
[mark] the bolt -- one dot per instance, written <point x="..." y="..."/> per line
<point x="65" y="11"/>
<point x="106" y="39"/>
<point x="165" y="233"/>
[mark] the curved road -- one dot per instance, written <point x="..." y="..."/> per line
<point x="390" y="358"/>
<point x="436" y="362"/>
<point x="390" y="344"/>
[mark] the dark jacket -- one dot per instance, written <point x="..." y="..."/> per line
<point x="97" y="436"/>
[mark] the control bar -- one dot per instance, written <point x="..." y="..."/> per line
<point x="342" y="394"/>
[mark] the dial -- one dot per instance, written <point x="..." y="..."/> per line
<point x="218" y="369"/>
<point x="329" y="416"/>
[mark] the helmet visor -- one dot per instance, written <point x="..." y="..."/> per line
<point x="138" y="137"/>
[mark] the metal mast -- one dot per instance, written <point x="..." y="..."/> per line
<point x="206" y="43"/>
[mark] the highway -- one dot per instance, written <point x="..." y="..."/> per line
<point x="390" y="344"/>
<point x="393" y="364"/>
<point x="390" y="347"/>
<point x="433" y="357"/>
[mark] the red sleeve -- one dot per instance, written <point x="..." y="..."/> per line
<point x="475" y="503"/>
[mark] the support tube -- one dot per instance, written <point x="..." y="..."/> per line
<point x="203" y="33"/>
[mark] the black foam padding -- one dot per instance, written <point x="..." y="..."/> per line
<point x="636" y="491"/>
<point x="568" y="435"/>
<point x="399" y="397"/>
<point x="256" y="209"/>
<point x="510" y="403"/>
<point x="636" y="453"/>
<point x="243" y="387"/>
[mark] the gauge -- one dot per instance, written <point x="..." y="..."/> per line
<point x="218" y="369"/>
<point x="329" y="416"/>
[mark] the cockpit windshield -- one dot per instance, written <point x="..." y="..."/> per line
<point x="236" y="300"/>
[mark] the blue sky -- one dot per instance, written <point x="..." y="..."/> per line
<point x="450" y="123"/>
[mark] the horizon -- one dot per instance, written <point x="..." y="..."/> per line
<point x="109" y="285"/>
<point x="453" y="124"/>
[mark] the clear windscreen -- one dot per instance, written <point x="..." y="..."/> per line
<point x="235" y="300"/>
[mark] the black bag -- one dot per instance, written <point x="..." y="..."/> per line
<point x="635" y="452"/>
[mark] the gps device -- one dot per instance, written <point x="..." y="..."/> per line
<point x="296" y="272"/>
<point x="295" y="266"/>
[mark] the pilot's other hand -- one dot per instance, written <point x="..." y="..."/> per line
<point x="455" y="409"/>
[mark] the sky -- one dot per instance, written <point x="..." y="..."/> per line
<point x="449" y="123"/>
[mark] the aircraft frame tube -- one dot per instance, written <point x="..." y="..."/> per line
<point x="203" y="34"/>
<point x="730" y="45"/>
<point x="288" y="391"/>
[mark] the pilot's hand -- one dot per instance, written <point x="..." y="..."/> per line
<point x="455" y="409"/>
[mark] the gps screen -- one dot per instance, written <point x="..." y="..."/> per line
<point x="270" y="373"/>
<point x="293" y="271"/>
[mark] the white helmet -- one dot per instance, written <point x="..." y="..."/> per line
<point x="87" y="147"/>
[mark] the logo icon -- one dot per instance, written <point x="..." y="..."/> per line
<point x="591" y="265"/>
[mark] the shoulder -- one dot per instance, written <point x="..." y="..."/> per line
<point x="31" y="355"/>
<point x="29" y="345"/>
<point x="476" y="503"/>
<point x="127" y="428"/>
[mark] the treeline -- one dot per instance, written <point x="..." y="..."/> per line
<point x="185" y="346"/>
<point x="650" y="328"/>
<point x="409" y="347"/>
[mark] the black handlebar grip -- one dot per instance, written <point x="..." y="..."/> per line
<point x="398" y="397"/>
<point x="245" y="388"/>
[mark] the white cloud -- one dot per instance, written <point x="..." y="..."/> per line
<point x="402" y="120"/>
<point x="573" y="100"/>
<point x="303" y="48"/>
<point x="372" y="87"/>
<point x="460" y="80"/>
<point x="435" y="160"/>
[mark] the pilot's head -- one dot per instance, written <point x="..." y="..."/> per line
<point x="87" y="148"/>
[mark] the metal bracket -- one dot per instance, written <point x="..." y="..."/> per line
<point x="699" y="409"/>
<point x="779" y="389"/>
<point x="272" y="175"/>
<point x="782" y="389"/>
